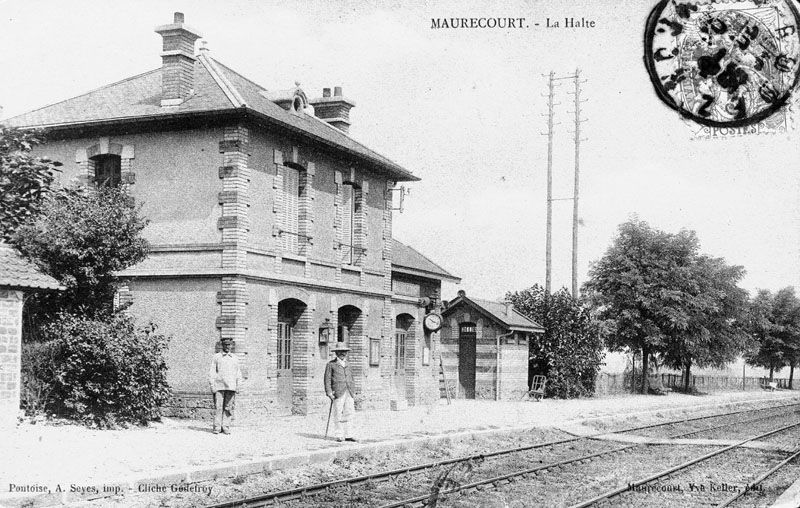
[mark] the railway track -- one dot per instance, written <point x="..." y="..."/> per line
<point x="303" y="494"/>
<point x="637" y="484"/>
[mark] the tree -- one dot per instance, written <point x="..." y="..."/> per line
<point x="639" y="287"/>
<point x="775" y="325"/>
<point x="25" y="180"/>
<point x="570" y="351"/>
<point x="82" y="237"/>
<point x="715" y="331"/>
<point x="786" y="313"/>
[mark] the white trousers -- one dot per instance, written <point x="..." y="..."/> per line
<point x="343" y="409"/>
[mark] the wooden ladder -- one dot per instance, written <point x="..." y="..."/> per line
<point x="443" y="380"/>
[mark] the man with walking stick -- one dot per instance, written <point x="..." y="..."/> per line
<point x="339" y="387"/>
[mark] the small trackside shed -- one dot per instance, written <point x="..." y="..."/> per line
<point x="485" y="348"/>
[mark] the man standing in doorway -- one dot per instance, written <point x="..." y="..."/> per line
<point x="339" y="386"/>
<point x="224" y="377"/>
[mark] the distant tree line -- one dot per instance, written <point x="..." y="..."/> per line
<point x="658" y="295"/>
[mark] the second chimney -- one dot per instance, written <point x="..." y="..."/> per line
<point x="177" y="61"/>
<point x="334" y="110"/>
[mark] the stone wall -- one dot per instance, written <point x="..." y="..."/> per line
<point x="10" y="355"/>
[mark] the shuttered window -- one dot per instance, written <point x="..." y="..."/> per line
<point x="348" y="217"/>
<point x="291" y="215"/>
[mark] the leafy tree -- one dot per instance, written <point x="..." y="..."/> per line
<point x="714" y="334"/>
<point x="786" y="312"/>
<point x="570" y="351"/>
<point x="775" y="325"/>
<point x="639" y="287"/>
<point x="25" y="180"/>
<point x="82" y="237"/>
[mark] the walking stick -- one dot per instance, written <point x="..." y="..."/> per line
<point x="329" y="420"/>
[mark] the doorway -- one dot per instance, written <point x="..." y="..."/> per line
<point x="466" y="359"/>
<point x="289" y="311"/>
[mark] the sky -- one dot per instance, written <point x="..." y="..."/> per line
<point x="462" y="109"/>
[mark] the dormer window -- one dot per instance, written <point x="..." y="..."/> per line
<point x="293" y="100"/>
<point x="107" y="170"/>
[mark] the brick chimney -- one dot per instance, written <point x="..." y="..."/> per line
<point x="177" y="61"/>
<point x="334" y="110"/>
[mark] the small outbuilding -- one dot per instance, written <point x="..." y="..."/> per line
<point x="485" y="348"/>
<point x="17" y="276"/>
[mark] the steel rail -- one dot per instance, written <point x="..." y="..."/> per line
<point x="301" y="492"/>
<point x="751" y="485"/>
<point x="532" y="471"/>
<point x="620" y="490"/>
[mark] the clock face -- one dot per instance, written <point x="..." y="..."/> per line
<point x="724" y="64"/>
<point x="433" y="322"/>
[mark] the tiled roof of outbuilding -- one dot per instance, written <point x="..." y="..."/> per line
<point x="16" y="272"/>
<point x="498" y="312"/>
<point x="217" y="88"/>
<point x="404" y="256"/>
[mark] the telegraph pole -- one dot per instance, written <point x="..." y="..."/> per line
<point x="576" y="186"/>
<point x="549" y="244"/>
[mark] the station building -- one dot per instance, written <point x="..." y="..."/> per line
<point x="269" y="225"/>
<point x="485" y="348"/>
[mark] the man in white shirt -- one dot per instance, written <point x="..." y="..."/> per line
<point x="224" y="378"/>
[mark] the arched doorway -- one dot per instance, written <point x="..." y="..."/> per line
<point x="403" y="348"/>
<point x="350" y="330"/>
<point x="467" y="336"/>
<point x="349" y="324"/>
<point x="289" y="312"/>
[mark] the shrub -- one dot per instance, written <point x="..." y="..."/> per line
<point x="570" y="351"/>
<point x="100" y="371"/>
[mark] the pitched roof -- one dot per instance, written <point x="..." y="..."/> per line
<point x="16" y="272"/>
<point x="217" y="88"/>
<point x="497" y="311"/>
<point x="408" y="260"/>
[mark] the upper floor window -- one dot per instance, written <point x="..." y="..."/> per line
<point x="292" y="191"/>
<point x="351" y="225"/>
<point x="107" y="170"/>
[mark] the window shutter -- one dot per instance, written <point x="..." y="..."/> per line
<point x="348" y="203"/>
<point x="291" y="201"/>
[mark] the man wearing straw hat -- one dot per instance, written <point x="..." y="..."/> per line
<point x="339" y="387"/>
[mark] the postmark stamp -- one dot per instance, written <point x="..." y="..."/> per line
<point x="725" y="65"/>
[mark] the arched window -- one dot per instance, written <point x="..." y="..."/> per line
<point x="107" y="170"/>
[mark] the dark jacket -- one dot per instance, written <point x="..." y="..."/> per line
<point x="338" y="379"/>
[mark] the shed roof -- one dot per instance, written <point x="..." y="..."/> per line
<point x="16" y="272"/>
<point x="408" y="260"/>
<point x="498" y="312"/>
<point x="217" y="89"/>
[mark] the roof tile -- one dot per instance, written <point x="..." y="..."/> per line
<point x="140" y="97"/>
<point x="19" y="273"/>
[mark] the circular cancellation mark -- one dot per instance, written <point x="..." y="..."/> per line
<point x="723" y="64"/>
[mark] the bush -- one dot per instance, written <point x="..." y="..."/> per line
<point x="100" y="371"/>
<point x="570" y="351"/>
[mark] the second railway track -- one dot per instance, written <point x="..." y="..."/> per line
<point x="392" y="487"/>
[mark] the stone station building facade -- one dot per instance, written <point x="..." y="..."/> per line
<point x="269" y="225"/>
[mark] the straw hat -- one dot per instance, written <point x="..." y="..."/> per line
<point x="340" y="346"/>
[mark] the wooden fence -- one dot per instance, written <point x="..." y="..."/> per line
<point x="608" y="384"/>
